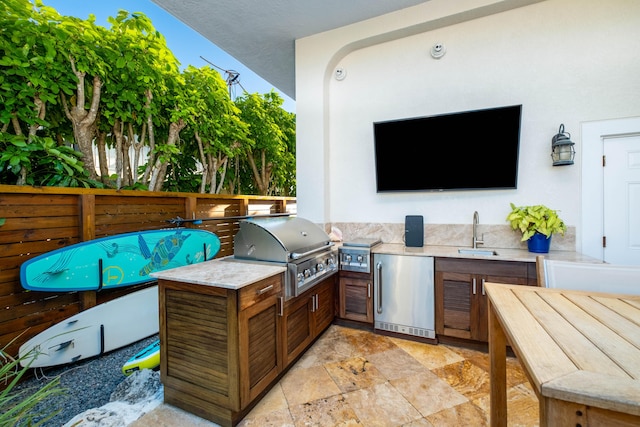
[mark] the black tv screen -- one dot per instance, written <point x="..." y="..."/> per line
<point x="470" y="150"/>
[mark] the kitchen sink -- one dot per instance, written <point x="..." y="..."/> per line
<point x="481" y="252"/>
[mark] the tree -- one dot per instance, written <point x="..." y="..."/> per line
<point x="271" y="130"/>
<point x="216" y="126"/>
<point x="85" y="46"/>
<point x="176" y="111"/>
<point x="67" y="85"/>
<point x="141" y="62"/>
<point x="31" y="80"/>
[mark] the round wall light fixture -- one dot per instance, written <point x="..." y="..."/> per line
<point x="438" y="50"/>
<point x="340" y="73"/>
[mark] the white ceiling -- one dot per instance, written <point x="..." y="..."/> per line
<point x="261" y="33"/>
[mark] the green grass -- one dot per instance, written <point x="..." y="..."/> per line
<point x="20" y="407"/>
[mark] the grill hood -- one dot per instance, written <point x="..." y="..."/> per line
<point x="279" y="239"/>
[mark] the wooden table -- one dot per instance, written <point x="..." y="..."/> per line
<point x="580" y="351"/>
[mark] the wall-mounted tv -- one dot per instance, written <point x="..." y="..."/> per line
<point x="469" y="150"/>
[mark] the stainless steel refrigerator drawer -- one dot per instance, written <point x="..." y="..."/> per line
<point x="404" y="294"/>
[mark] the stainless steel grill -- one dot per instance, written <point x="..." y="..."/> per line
<point x="303" y="247"/>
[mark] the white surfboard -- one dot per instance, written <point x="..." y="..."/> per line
<point x="98" y="330"/>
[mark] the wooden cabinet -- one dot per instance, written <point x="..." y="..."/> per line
<point x="259" y="328"/>
<point x="220" y="348"/>
<point x="306" y="317"/>
<point x="461" y="302"/>
<point x="355" y="297"/>
<point x="325" y="305"/>
<point x="296" y="326"/>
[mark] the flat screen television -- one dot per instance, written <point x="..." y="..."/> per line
<point x="469" y="150"/>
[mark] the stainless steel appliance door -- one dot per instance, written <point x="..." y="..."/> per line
<point x="404" y="294"/>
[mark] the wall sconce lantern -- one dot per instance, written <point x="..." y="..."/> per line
<point x="562" y="150"/>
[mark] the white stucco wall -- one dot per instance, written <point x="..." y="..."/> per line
<point x="565" y="61"/>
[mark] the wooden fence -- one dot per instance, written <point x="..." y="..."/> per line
<point x="39" y="220"/>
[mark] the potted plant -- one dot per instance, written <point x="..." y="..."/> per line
<point x="537" y="224"/>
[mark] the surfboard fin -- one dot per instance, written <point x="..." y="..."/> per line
<point x="144" y="248"/>
<point x="100" y="277"/>
<point x="64" y="345"/>
<point x="101" y="339"/>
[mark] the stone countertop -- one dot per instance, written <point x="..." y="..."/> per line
<point x="231" y="273"/>
<point x="502" y="254"/>
<point x="222" y="273"/>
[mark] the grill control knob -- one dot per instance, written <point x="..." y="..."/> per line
<point x="347" y="258"/>
<point x="300" y="278"/>
<point x="360" y="259"/>
<point x="307" y="273"/>
<point x="320" y="267"/>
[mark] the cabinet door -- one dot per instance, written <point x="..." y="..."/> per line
<point x="480" y="320"/>
<point x="454" y="304"/>
<point x="324" y="310"/>
<point x="296" y="326"/>
<point x="356" y="302"/>
<point x="199" y="354"/>
<point x="260" y="347"/>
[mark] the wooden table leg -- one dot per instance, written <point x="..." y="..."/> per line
<point x="497" y="370"/>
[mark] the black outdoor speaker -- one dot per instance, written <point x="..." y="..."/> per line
<point x="414" y="231"/>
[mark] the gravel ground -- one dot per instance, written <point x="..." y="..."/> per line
<point x="88" y="383"/>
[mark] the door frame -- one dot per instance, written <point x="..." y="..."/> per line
<point x="592" y="191"/>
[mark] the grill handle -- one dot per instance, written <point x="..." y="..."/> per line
<point x="296" y="255"/>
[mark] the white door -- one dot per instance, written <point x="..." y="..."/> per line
<point x="621" y="196"/>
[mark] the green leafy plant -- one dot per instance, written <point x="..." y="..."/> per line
<point x="18" y="407"/>
<point x="537" y="218"/>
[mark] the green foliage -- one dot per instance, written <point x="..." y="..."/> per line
<point x="52" y="67"/>
<point x="183" y="175"/>
<point x="142" y="61"/>
<point x="18" y="408"/>
<point x="271" y="152"/>
<point x="532" y="219"/>
<point x="47" y="163"/>
<point x="136" y="186"/>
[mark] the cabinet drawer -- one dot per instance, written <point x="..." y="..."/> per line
<point x="260" y="291"/>
<point x="485" y="267"/>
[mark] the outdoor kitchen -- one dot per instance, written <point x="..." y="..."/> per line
<point x="234" y="326"/>
<point x="454" y="242"/>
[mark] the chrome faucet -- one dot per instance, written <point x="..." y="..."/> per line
<point x="476" y="220"/>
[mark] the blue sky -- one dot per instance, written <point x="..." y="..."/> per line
<point x="186" y="44"/>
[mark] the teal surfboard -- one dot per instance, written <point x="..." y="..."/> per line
<point x="117" y="261"/>
<point x="147" y="358"/>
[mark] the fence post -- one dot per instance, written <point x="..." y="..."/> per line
<point x="87" y="232"/>
<point x="190" y="207"/>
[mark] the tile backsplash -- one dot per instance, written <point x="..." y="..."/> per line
<point x="494" y="236"/>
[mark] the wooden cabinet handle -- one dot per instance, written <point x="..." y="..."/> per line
<point x="263" y="290"/>
<point x="281" y="306"/>
<point x="473" y="286"/>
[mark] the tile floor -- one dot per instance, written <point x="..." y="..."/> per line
<point x="351" y="377"/>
